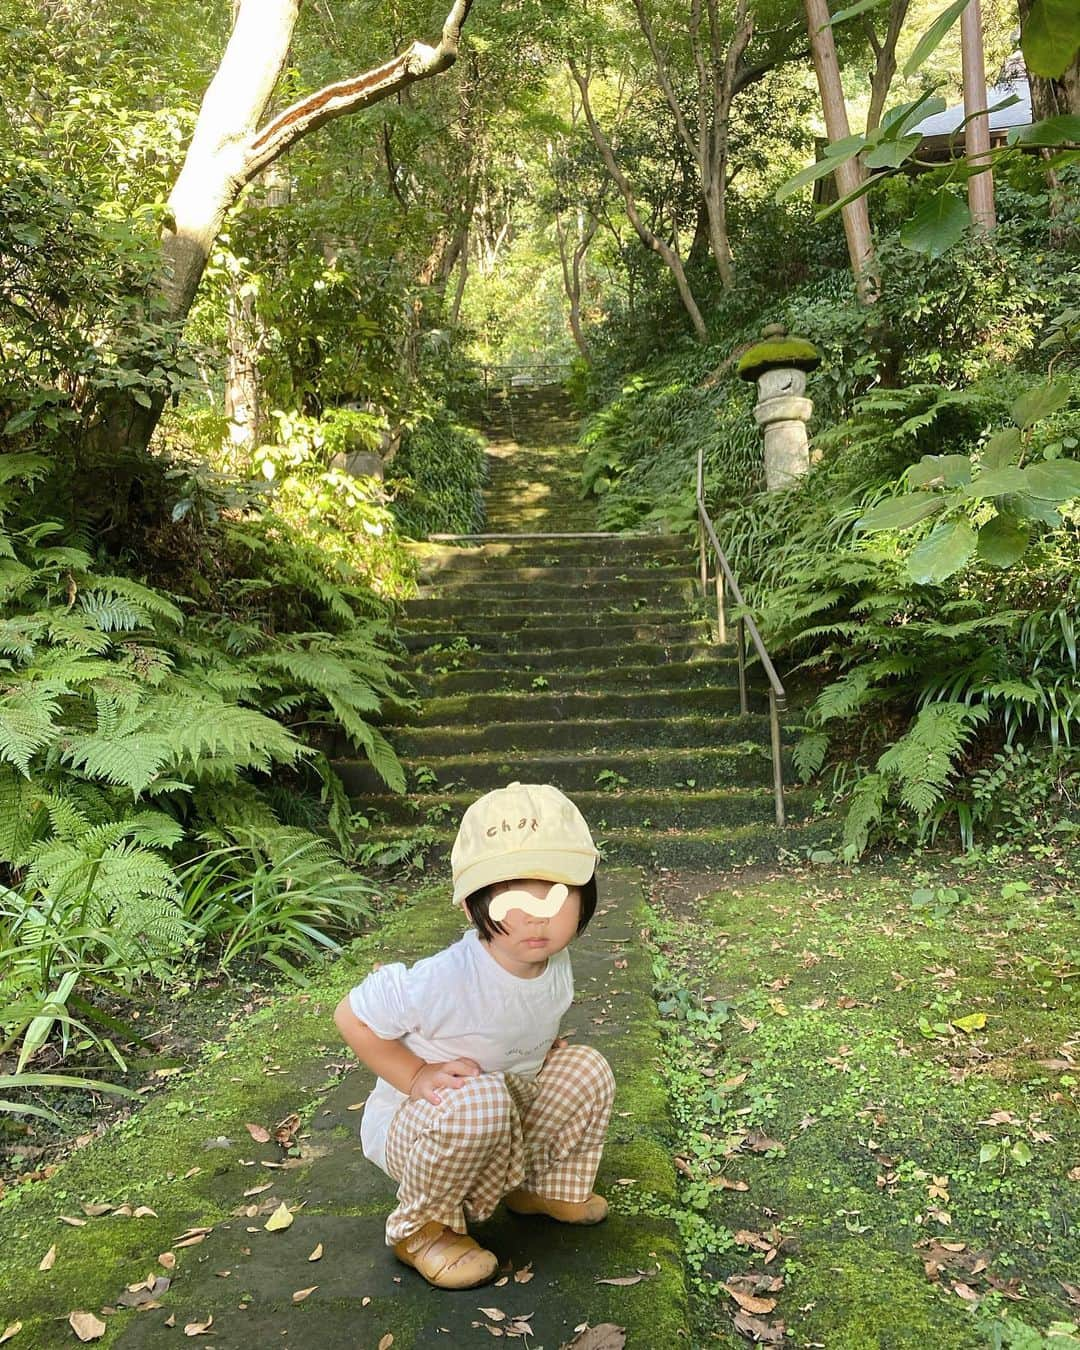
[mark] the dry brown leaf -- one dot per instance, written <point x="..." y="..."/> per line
<point x="86" y="1326"/>
<point x="258" y="1133"/>
<point x="750" y="1302"/>
<point x="191" y="1241"/>
<point x="75" y="1223"/>
<point x="199" y="1328"/>
<point x="622" y="1279"/>
<point x="496" y="1314"/>
<point x="96" y="1211"/>
<point x="356" y="1106"/>
<point x="387" y="1341"/>
<point x="1072" y="1292"/>
<point x="730" y="1084"/>
<point x="191" y="1172"/>
<point x="145" y="1212"/>
<point x="12" y="1329"/>
<point x="728" y="1184"/>
<point x="759" y="1142"/>
<point x="258" y="1190"/>
<point x="1073" y="1173"/>
<point x="524" y="1275"/>
<point x="49" y="1259"/>
<point x="764" y="1333"/>
<point x="300" y="1294"/>
<point x="604" y="1336"/>
<point x="965" y="1291"/>
<point x="168" y="1260"/>
<point x="316" y="1255"/>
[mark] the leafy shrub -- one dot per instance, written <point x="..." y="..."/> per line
<point x="436" y="478"/>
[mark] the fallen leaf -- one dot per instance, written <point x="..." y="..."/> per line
<point x="12" y="1329"/>
<point x="258" y="1190"/>
<point x="387" y="1341"/>
<point x="260" y="1135"/>
<point x="729" y="1184"/>
<point x="86" y="1326"/>
<point x="759" y="1142"/>
<point x="199" y="1328"/>
<point x="1073" y="1173"/>
<point x="145" y="1212"/>
<point x="750" y="1302"/>
<point x="96" y="1211"/>
<point x="75" y="1223"/>
<point x="49" y="1259"/>
<point x="191" y="1172"/>
<point x="764" y="1333"/>
<point x="496" y="1314"/>
<point x="301" y="1294"/>
<point x="965" y="1291"/>
<point x="281" y="1218"/>
<point x="316" y="1255"/>
<point x="604" y="1336"/>
<point x="524" y="1275"/>
<point x="972" y="1022"/>
<point x="356" y="1106"/>
<point x="192" y="1241"/>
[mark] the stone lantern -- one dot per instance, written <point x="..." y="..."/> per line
<point x="779" y="364"/>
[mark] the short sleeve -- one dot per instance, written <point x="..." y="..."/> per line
<point x="384" y="1002"/>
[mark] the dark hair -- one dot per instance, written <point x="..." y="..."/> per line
<point x="476" y="906"/>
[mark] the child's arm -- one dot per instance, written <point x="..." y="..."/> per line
<point x="395" y="1063"/>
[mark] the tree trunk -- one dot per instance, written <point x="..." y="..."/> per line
<point x="977" y="131"/>
<point x="849" y="175"/>
<point x="1051" y="98"/>
<point x="243" y="390"/>
<point x="884" y="61"/>
<point x="227" y="150"/>
<point x="651" y="240"/>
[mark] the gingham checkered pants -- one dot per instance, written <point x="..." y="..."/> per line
<point x="456" y="1161"/>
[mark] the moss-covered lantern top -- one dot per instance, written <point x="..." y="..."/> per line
<point x="778" y="351"/>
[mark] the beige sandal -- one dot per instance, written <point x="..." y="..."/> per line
<point x="592" y="1210"/>
<point x="446" y="1259"/>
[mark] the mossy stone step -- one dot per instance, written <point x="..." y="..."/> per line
<point x="417" y="637"/>
<point x="669" y="675"/>
<point x="555" y="596"/>
<point x="613" y="550"/>
<point x="761" y="841"/>
<point x="468" y="710"/>
<point x="433" y="659"/>
<point x="627" y="807"/>
<point x="519" y="618"/>
<point x="710" y="767"/>
<point x="601" y="735"/>
<point x="496" y="579"/>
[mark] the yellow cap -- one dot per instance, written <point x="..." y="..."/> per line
<point x="522" y="830"/>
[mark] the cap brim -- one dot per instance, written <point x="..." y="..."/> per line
<point x="571" y="868"/>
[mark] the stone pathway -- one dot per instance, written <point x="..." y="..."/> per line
<point x="586" y="663"/>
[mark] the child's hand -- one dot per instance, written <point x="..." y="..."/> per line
<point x="558" y="1044"/>
<point x="452" y="1073"/>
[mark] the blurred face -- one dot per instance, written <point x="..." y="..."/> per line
<point x="529" y="939"/>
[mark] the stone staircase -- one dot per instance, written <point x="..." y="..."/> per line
<point x="586" y="662"/>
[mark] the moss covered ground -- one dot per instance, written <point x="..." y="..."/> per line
<point x="889" y="1062"/>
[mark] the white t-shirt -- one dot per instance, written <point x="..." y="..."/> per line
<point x="459" y="1002"/>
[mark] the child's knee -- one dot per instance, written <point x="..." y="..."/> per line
<point x="484" y="1101"/>
<point x="588" y="1062"/>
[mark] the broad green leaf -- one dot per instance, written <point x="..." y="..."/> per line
<point x="896" y="120"/>
<point x="899" y="513"/>
<point x="1001" y="449"/>
<point x="1002" y="541"/>
<point x="972" y="1022"/>
<point x="989" y="1152"/>
<point x="1054" y="480"/>
<point x="952" y="470"/>
<point x="1050" y="37"/>
<point x="944" y="551"/>
<point x="845" y="147"/>
<point x="997" y="482"/>
<point x="1033" y="508"/>
<point x="938" y="224"/>
<point x="1021" y="1152"/>
<point x="1040" y="402"/>
<point x="1051" y="131"/>
<point x="891" y="154"/>
<point x="927" y="44"/>
<point x="852" y="12"/>
<point x="808" y="175"/>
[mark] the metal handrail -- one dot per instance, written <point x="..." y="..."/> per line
<point x="725" y="581"/>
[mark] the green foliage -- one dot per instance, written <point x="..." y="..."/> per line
<point x="437" y="478"/>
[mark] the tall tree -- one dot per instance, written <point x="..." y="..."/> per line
<point x="229" y="148"/>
